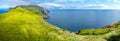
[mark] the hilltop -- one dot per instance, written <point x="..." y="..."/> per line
<point x="34" y="8"/>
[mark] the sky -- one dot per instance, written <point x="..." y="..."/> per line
<point x="64" y="4"/>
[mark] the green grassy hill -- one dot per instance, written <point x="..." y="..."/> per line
<point x="22" y="25"/>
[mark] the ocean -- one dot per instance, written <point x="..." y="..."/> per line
<point x="75" y="20"/>
<point x="3" y="10"/>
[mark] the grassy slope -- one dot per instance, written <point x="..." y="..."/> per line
<point x="22" y="25"/>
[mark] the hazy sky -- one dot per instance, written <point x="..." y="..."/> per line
<point x="65" y="4"/>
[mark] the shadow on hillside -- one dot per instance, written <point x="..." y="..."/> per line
<point x="114" y="38"/>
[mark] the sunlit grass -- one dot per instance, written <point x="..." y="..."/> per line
<point x="22" y="25"/>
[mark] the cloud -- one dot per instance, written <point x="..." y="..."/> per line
<point x="69" y="0"/>
<point x="4" y="6"/>
<point x="96" y="6"/>
<point x="115" y="6"/>
<point x="116" y="0"/>
<point x="16" y="2"/>
<point x="50" y="5"/>
<point x="87" y="6"/>
<point x="55" y="4"/>
<point x="84" y="6"/>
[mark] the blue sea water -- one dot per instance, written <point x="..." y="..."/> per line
<point x="75" y="20"/>
<point x="3" y="11"/>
